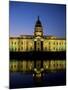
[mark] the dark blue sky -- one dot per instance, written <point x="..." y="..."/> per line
<point x="23" y="17"/>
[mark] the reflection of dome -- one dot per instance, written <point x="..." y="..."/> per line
<point x="38" y="23"/>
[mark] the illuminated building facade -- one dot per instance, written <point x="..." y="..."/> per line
<point x="37" y="42"/>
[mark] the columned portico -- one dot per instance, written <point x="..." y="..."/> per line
<point x="38" y="45"/>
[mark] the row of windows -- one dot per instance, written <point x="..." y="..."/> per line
<point x="58" y="64"/>
<point x="16" y="43"/>
<point x="15" y="66"/>
<point x="54" y="48"/>
<point x="18" y="49"/>
<point x="15" y="49"/>
<point x="56" y="43"/>
<point x="21" y="66"/>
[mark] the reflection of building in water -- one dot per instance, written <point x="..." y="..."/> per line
<point x="23" y="65"/>
<point x="36" y="42"/>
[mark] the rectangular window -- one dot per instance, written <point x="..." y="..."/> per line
<point x="21" y="42"/>
<point x="54" y="43"/>
<point x="57" y="65"/>
<point x="21" y="48"/>
<point x="15" y="66"/>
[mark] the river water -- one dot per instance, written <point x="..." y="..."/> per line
<point x="25" y="80"/>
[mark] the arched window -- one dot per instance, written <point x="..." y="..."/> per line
<point x="60" y="43"/>
<point x="15" y="43"/>
<point x="57" y="43"/>
<point x="12" y="43"/>
<point x="14" y="66"/>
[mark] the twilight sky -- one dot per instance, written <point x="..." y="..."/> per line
<point x="23" y="16"/>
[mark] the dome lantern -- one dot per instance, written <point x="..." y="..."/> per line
<point x="38" y="28"/>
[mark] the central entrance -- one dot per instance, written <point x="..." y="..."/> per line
<point x="38" y="45"/>
<point x="38" y="64"/>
